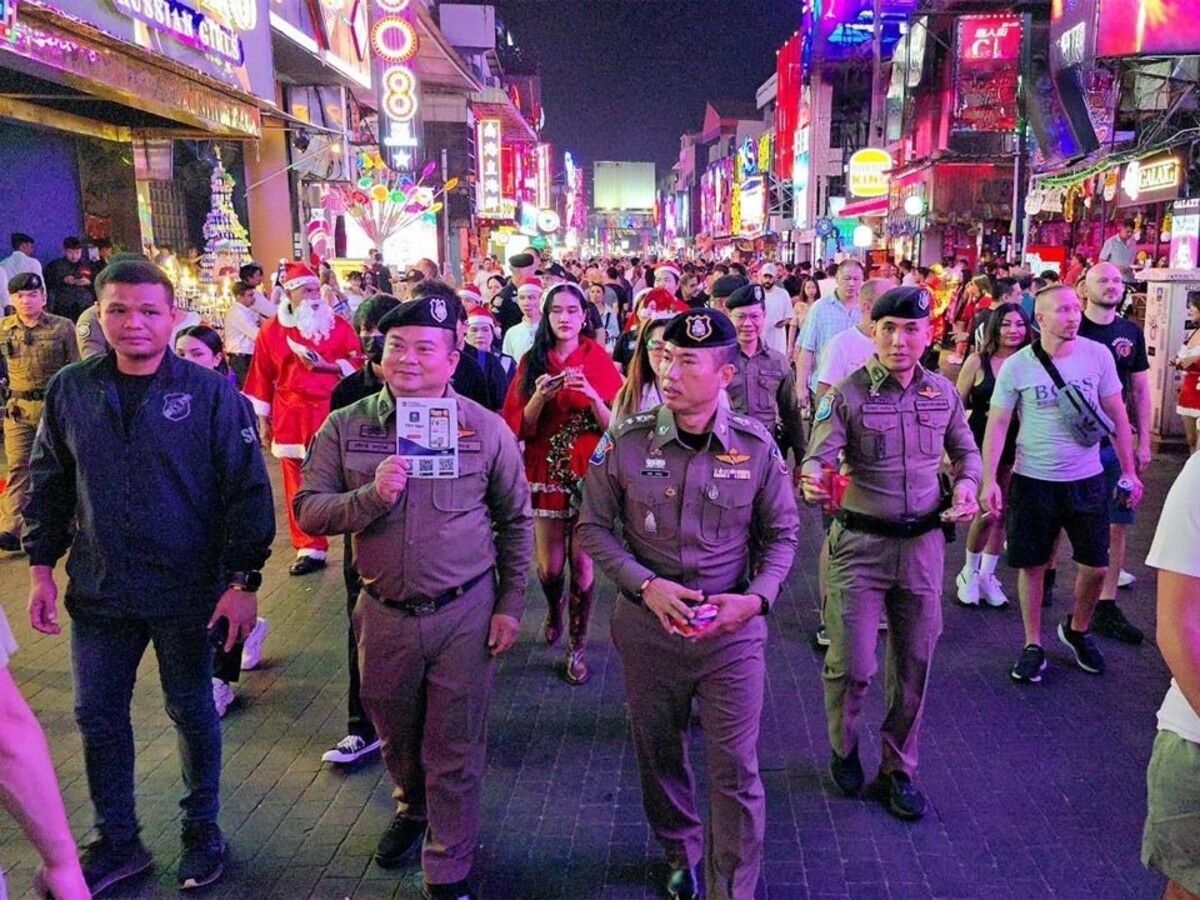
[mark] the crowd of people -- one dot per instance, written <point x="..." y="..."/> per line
<point x="657" y="419"/>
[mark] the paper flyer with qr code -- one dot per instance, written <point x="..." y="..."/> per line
<point x="427" y="436"/>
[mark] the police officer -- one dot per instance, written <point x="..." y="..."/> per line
<point x="35" y="344"/>
<point x="763" y="386"/>
<point x="892" y="420"/>
<point x="708" y="525"/>
<point x="429" y="624"/>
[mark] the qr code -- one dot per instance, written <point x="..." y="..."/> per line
<point x="424" y="468"/>
<point x="445" y="468"/>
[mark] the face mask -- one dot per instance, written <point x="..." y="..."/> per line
<point x="373" y="347"/>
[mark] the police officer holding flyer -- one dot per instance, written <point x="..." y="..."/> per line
<point x="708" y="531"/>
<point x="429" y="622"/>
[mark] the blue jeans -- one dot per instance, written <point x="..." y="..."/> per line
<point x="105" y="653"/>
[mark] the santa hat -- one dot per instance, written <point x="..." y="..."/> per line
<point x="470" y="295"/>
<point x="297" y="275"/>
<point x="481" y="315"/>
<point x="530" y="286"/>
<point x="667" y="267"/>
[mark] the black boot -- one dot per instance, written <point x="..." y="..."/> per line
<point x="552" y="625"/>
<point x="581" y="612"/>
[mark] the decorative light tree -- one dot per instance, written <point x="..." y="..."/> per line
<point x="226" y="249"/>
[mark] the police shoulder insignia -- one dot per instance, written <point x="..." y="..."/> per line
<point x="602" y="450"/>
<point x="824" y="408"/>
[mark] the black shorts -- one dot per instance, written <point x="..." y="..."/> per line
<point x="1038" y="510"/>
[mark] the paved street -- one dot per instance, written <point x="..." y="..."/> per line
<point x="1035" y="791"/>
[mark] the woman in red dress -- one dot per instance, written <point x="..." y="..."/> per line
<point x="559" y="404"/>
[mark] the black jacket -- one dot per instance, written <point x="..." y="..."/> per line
<point x="166" y="511"/>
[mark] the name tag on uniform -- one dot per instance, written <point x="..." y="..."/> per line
<point x="356" y="446"/>
<point x="735" y="474"/>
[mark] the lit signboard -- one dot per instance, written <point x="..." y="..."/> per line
<point x="867" y="173"/>
<point x="394" y="42"/>
<point x="487" y="167"/>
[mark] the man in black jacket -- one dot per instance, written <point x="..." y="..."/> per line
<point x="157" y="461"/>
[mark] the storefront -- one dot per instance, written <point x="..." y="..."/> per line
<point x="96" y="93"/>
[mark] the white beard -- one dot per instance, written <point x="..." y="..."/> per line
<point x="315" y="322"/>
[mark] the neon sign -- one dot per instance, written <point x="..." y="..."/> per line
<point x="487" y="164"/>
<point x="395" y="43"/>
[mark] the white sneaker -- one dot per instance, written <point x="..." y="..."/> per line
<point x="222" y="696"/>
<point x="252" y="650"/>
<point x="968" y="587"/>
<point x="349" y="749"/>
<point x="1125" y="579"/>
<point x="991" y="591"/>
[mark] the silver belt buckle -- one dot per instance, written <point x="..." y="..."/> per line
<point x="419" y="610"/>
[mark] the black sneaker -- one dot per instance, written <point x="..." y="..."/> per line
<point x="105" y="863"/>
<point x="460" y="890"/>
<point x="203" y="858"/>
<point x="1030" y="666"/>
<point x="1087" y="655"/>
<point x="847" y="772"/>
<point x="1108" y="621"/>
<point x="901" y="796"/>
<point x="398" y="841"/>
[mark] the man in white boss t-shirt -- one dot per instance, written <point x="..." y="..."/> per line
<point x="1171" y="840"/>
<point x="1057" y="484"/>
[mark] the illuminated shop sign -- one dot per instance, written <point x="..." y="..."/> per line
<point x="395" y="43"/>
<point x="487" y="166"/>
<point x="190" y="26"/>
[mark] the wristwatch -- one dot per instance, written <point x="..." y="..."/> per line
<point x="249" y="582"/>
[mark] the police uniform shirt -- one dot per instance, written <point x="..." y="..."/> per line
<point x="33" y="353"/>
<point x="441" y="532"/>
<point x="893" y="439"/>
<point x="692" y="516"/>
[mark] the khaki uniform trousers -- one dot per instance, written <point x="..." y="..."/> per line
<point x="869" y="574"/>
<point x="426" y="686"/>
<point x="662" y="674"/>
<point x="20" y="426"/>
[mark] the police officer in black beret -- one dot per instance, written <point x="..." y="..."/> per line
<point x="708" y="528"/>
<point x="723" y="288"/>
<point x="764" y="387"/>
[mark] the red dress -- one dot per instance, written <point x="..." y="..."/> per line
<point x="558" y="446"/>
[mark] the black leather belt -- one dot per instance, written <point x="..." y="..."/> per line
<point x="905" y="528"/>
<point x="427" y="606"/>
<point x="27" y="395"/>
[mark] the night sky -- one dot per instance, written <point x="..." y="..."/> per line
<point x="622" y="79"/>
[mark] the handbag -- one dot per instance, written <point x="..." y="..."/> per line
<point x="1087" y="424"/>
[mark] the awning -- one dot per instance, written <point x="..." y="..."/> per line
<point x="876" y="206"/>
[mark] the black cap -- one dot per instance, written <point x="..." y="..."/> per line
<point x="26" y="281"/>
<point x="908" y="302"/>
<point x="521" y="260"/>
<point x="727" y="284"/>
<point x="701" y="329"/>
<point x="747" y="295"/>
<point x="432" y="312"/>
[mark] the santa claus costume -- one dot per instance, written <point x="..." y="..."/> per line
<point x="299" y="356"/>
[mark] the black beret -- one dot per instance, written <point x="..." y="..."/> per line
<point x="521" y="260"/>
<point x="909" y="302"/>
<point x="26" y="281"/>
<point x="701" y="329"/>
<point x="432" y="312"/>
<point x="727" y="284"/>
<point x="747" y="295"/>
